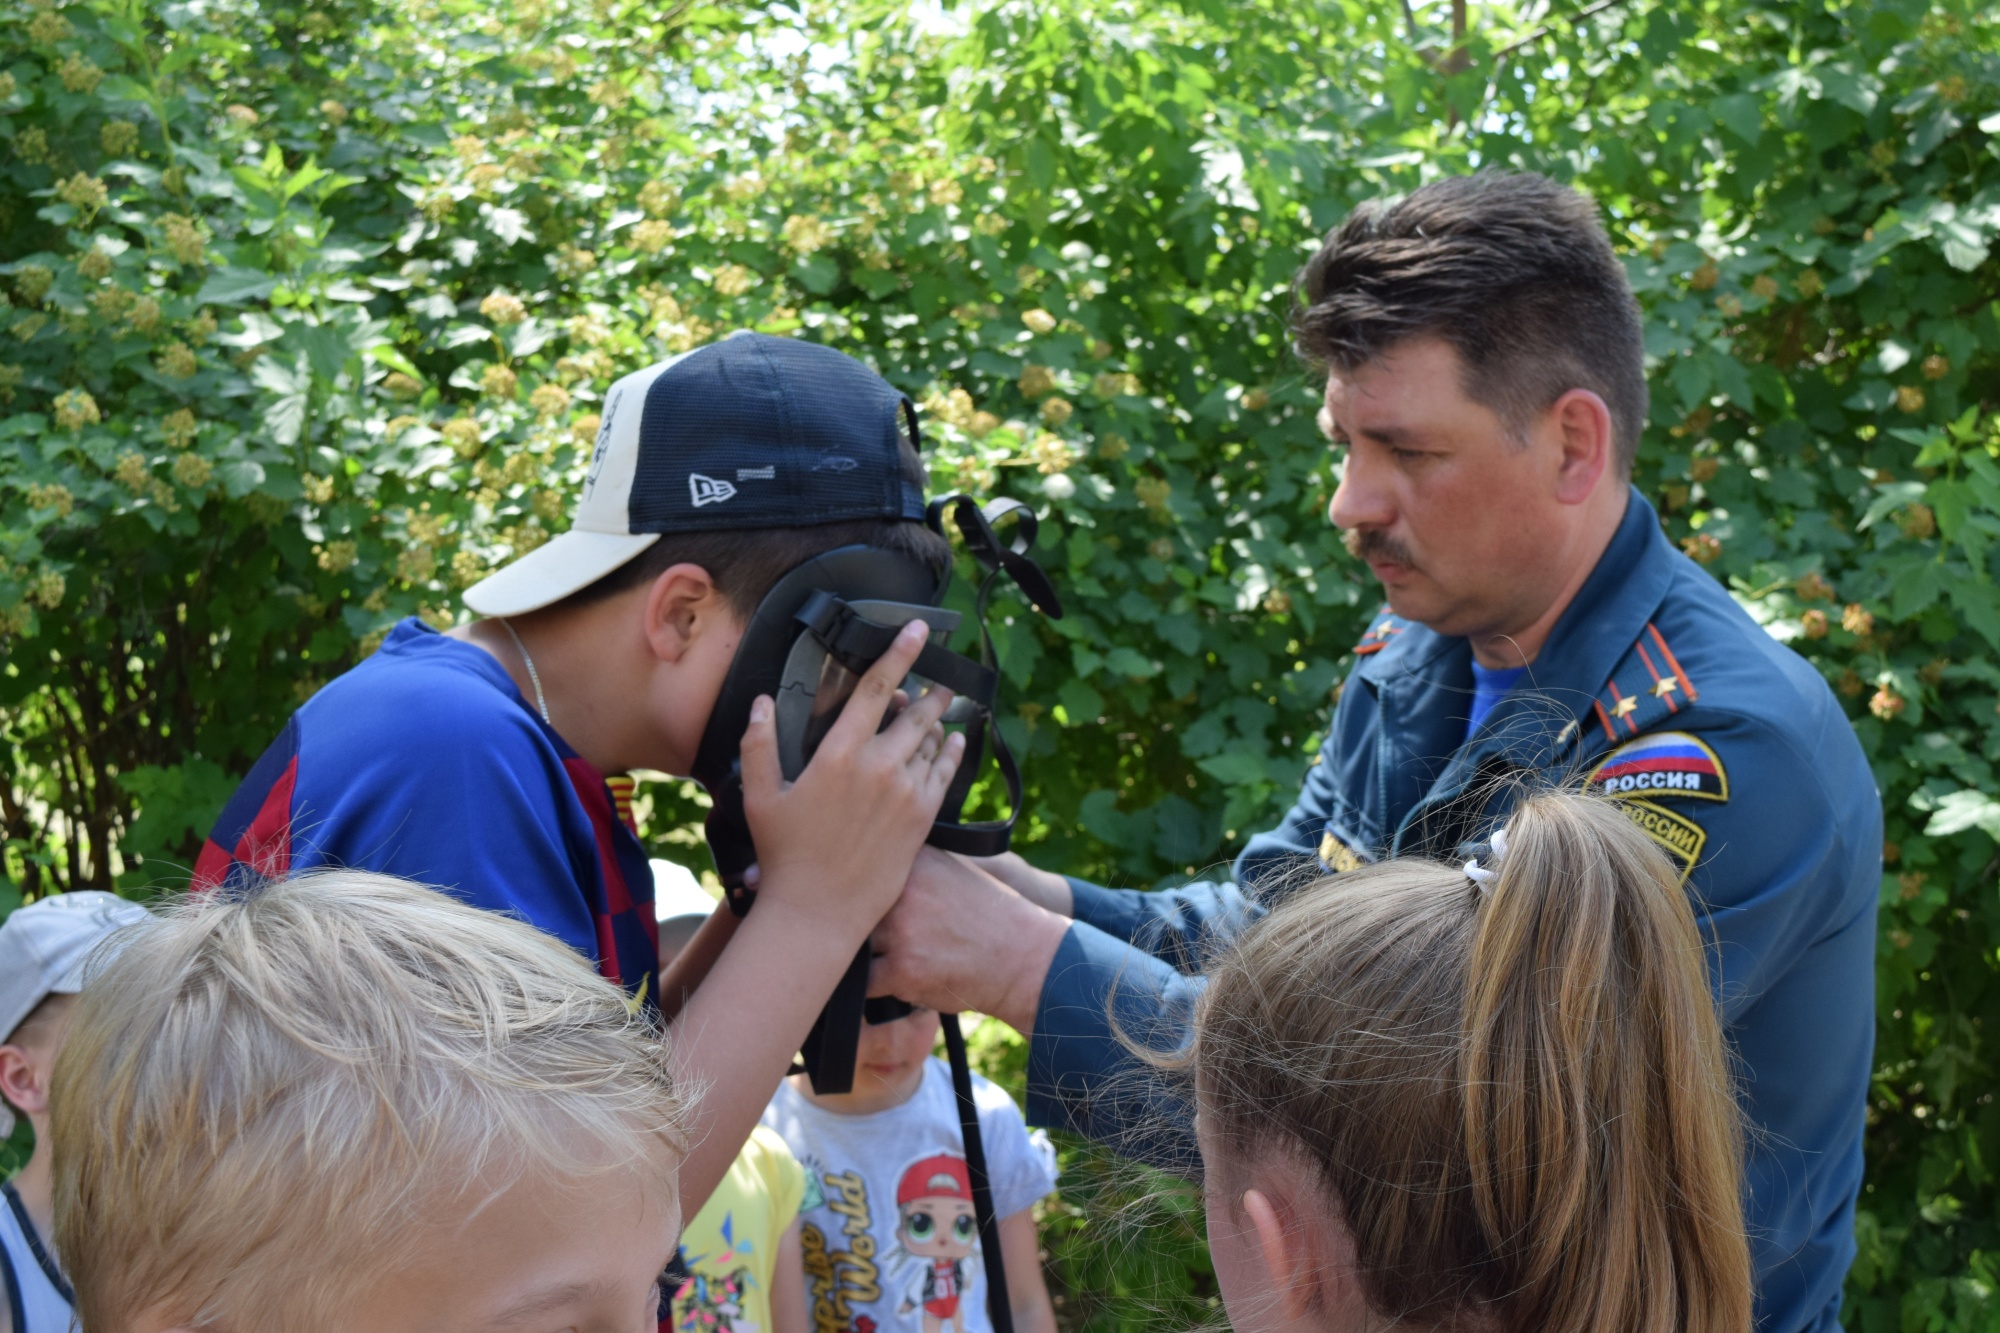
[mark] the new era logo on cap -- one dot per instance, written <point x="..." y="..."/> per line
<point x="750" y="432"/>
<point x="707" y="490"/>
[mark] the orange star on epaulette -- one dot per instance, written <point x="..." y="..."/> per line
<point x="1378" y="636"/>
<point x="1653" y="651"/>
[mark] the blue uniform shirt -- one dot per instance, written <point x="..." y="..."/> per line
<point x="1727" y="748"/>
<point x="425" y="762"/>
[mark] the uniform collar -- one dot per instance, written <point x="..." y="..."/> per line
<point x="1611" y="608"/>
<point x="1592" y="634"/>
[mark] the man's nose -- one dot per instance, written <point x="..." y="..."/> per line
<point x="1359" y="501"/>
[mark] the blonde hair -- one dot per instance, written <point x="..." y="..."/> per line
<point x="1517" y="1099"/>
<point x="276" y="1092"/>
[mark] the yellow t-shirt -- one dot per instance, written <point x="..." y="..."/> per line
<point x="731" y="1246"/>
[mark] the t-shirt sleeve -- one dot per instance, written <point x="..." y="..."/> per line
<point x="457" y="790"/>
<point x="1020" y="1165"/>
<point x="783" y="1177"/>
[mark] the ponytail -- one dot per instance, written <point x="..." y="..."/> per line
<point x="1515" y="1092"/>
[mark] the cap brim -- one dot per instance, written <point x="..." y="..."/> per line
<point x="551" y="572"/>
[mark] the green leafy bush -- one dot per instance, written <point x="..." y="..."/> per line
<point x="310" y="306"/>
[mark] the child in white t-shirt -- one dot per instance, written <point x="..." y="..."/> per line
<point x="887" y="1228"/>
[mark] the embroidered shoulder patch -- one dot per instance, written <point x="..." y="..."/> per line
<point x="1337" y="856"/>
<point x="1682" y="838"/>
<point x="1663" y="763"/>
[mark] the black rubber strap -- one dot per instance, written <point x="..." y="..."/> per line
<point x="984" y="839"/>
<point x="856" y="642"/>
<point x="998" y="1307"/>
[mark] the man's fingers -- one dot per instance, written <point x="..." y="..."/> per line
<point x="862" y="716"/>
<point x="763" y="776"/>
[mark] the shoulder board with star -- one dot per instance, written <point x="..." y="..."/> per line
<point x="1637" y="756"/>
<point x="1386" y="626"/>
<point x="1646" y="689"/>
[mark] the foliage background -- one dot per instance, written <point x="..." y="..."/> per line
<point x="308" y="307"/>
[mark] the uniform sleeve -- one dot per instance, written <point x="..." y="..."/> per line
<point x="1775" y="874"/>
<point x="1280" y="851"/>
<point x="1785" y="889"/>
<point x="463" y="794"/>
<point x="1181" y="927"/>
<point x="1021" y="1166"/>
<point x="1101" y="993"/>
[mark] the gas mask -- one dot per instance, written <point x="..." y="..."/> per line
<point x="815" y="633"/>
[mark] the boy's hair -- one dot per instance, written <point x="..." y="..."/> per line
<point x="275" y="1094"/>
<point x="1517" y="1098"/>
<point x="745" y="564"/>
<point x="1513" y="270"/>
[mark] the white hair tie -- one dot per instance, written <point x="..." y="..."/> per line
<point x="1484" y="877"/>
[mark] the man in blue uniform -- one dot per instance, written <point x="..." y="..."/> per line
<point x="1485" y="381"/>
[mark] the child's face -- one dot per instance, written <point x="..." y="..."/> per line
<point x="890" y="1059"/>
<point x="540" y="1258"/>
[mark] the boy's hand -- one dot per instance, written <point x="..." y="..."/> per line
<point x="840" y="840"/>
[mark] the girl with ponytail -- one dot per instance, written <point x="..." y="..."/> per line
<point x="1490" y="1097"/>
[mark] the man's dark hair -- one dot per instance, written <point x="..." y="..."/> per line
<point x="1513" y="270"/>
<point x="744" y="564"/>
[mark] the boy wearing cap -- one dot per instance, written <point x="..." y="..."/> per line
<point x="43" y="948"/>
<point x="477" y="760"/>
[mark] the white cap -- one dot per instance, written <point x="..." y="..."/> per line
<point x="43" y="949"/>
<point x="600" y="537"/>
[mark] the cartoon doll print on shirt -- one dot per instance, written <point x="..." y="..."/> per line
<point x="935" y="1227"/>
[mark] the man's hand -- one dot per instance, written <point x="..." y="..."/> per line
<point x="1043" y="888"/>
<point x="833" y="848"/>
<point x="960" y="939"/>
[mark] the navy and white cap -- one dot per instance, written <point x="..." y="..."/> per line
<point x="749" y="432"/>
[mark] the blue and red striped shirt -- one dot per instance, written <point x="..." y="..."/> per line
<point x="425" y="762"/>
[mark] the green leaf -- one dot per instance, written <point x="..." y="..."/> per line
<point x="236" y="286"/>
<point x="1962" y="810"/>
<point x="1889" y="499"/>
<point x="1743" y="113"/>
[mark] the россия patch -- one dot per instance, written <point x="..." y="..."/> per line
<point x="1666" y="763"/>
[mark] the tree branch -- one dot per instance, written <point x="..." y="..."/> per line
<point x="1588" y="11"/>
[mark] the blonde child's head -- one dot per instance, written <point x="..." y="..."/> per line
<point x="345" y="1101"/>
<point x="1433" y="1104"/>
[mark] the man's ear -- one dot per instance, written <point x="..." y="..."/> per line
<point x="1583" y="427"/>
<point x="23" y="1082"/>
<point x="681" y="604"/>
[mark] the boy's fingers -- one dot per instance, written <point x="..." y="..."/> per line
<point x="944" y="766"/>
<point x="920" y="719"/>
<point x="862" y="716"/>
<point x="762" y="774"/>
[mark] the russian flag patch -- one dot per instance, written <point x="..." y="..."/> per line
<point x="1665" y="763"/>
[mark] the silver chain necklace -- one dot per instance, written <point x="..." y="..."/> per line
<point x="534" y="677"/>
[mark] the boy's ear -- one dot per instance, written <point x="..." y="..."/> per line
<point x="681" y="604"/>
<point x="23" y="1081"/>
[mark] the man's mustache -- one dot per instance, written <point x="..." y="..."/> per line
<point x="1373" y="544"/>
